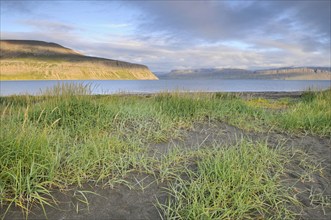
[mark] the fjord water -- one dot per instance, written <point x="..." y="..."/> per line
<point x="34" y="87"/>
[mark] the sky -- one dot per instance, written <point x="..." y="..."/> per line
<point x="166" y="35"/>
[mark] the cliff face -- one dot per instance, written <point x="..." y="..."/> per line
<point x="287" y="73"/>
<point x="38" y="60"/>
<point x="299" y="73"/>
<point x="296" y="70"/>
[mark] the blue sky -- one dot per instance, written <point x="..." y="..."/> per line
<point x="167" y="35"/>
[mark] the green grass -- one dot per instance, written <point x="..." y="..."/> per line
<point x="311" y="115"/>
<point x="67" y="136"/>
<point x="238" y="182"/>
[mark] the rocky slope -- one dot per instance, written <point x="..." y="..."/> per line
<point x="287" y="73"/>
<point x="38" y="60"/>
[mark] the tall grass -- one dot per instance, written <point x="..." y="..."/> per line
<point x="27" y="165"/>
<point x="239" y="182"/>
<point x="67" y="136"/>
<point x="311" y="115"/>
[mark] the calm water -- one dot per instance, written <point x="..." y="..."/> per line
<point x="151" y="86"/>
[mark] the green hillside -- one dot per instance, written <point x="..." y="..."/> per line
<point x="38" y="60"/>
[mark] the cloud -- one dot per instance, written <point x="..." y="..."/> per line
<point x="312" y="16"/>
<point x="203" y="19"/>
<point x="215" y="21"/>
<point x="17" y="6"/>
<point x="48" y="26"/>
<point x="47" y="30"/>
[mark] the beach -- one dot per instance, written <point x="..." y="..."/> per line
<point x="162" y="158"/>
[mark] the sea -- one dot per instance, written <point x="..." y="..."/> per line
<point x="36" y="87"/>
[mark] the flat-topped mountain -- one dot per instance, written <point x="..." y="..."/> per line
<point x="287" y="73"/>
<point x="38" y="60"/>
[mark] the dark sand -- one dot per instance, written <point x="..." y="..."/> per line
<point x="120" y="202"/>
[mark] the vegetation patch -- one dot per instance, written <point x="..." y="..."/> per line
<point x="238" y="182"/>
<point x="66" y="137"/>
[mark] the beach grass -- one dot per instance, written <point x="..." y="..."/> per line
<point x="235" y="182"/>
<point x="66" y="136"/>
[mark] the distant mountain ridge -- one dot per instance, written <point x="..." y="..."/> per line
<point x="297" y="69"/>
<point x="35" y="60"/>
<point x="287" y="73"/>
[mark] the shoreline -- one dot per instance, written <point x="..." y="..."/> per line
<point x="258" y="94"/>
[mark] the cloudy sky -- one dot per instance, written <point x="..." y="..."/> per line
<point x="167" y="35"/>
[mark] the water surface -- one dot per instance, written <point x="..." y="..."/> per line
<point x="34" y="87"/>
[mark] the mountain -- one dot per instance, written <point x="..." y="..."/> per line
<point x="287" y="73"/>
<point x="297" y="73"/>
<point x="38" y="60"/>
<point x="209" y="73"/>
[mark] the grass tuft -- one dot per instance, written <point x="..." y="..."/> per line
<point x="239" y="182"/>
